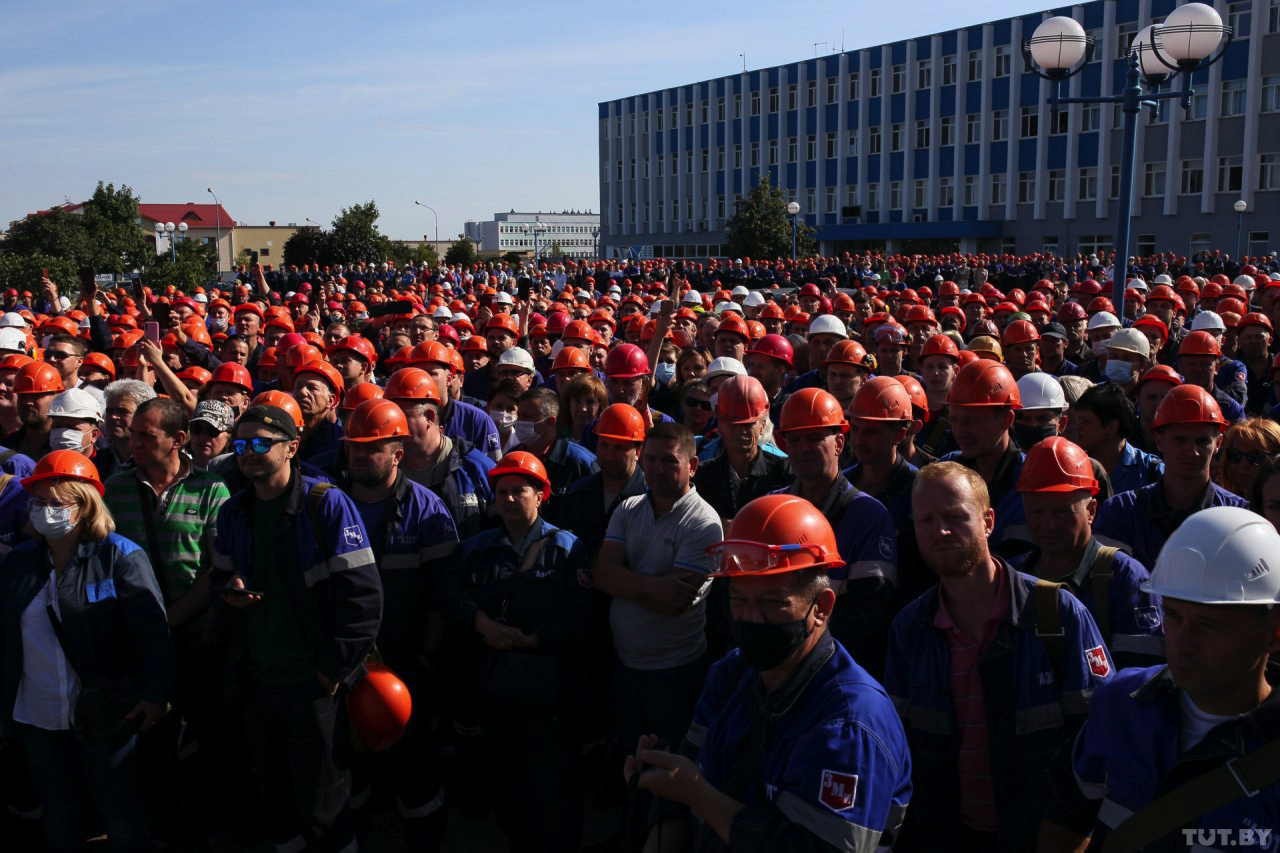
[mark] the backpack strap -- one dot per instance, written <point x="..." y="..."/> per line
<point x="1100" y="580"/>
<point x="1044" y="598"/>
<point x="1239" y="777"/>
<point x="4" y="482"/>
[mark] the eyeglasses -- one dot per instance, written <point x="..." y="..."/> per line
<point x="695" y="403"/>
<point x="57" y="355"/>
<point x="260" y="445"/>
<point x="1254" y="457"/>
<point x="39" y="504"/>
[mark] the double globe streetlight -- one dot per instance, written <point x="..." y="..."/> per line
<point x="1191" y="39"/>
<point x="167" y="228"/>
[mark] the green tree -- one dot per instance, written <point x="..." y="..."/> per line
<point x="111" y="222"/>
<point x="407" y="253"/>
<point x="761" y="226"/>
<point x="194" y="265"/>
<point x="462" y="252"/>
<point x="307" y="246"/>
<point x="355" y="236"/>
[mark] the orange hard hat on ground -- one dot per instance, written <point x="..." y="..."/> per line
<point x="772" y="535"/>
<point x="379" y="707"/>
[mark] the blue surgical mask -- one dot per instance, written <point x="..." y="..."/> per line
<point x="1117" y="371"/>
<point x="664" y="372"/>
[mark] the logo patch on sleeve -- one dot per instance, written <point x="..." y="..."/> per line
<point x="838" y="790"/>
<point x="352" y="535"/>
<point x="1097" y="660"/>
<point x="886" y="547"/>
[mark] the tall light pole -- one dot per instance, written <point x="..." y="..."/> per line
<point x="793" y="210"/>
<point x="437" y="220"/>
<point x="1184" y="44"/>
<point x="217" y="221"/>
<point x="1239" y="207"/>
<point x="595" y="242"/>
<point x="538" y="229"/>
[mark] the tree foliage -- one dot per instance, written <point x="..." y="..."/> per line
<point x="462" y="252"/>
<point x="353" y="237"/>
<point x="194" y="263"/>
<point x="307" y="246"/>
<point x="408" y="253"/>
<point x="761" y="226"/>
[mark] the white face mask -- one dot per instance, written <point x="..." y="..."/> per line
<point x="526" y="432"/>
<point x="66" y="438"/>
<point x="51" y="522"/>
<point x="504" y="420"/>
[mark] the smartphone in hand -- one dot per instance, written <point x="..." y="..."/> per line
<point x="151" y="331"/>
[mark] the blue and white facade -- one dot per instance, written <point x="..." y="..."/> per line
<point x="945" y="142"/>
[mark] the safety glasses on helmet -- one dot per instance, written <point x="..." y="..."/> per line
<point x="744" y="557"/>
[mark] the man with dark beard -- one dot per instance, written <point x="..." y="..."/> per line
<point x="990" y="672"/>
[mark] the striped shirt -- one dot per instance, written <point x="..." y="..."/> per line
<point x="977" y="794"/>
<point x="185" y="514"/>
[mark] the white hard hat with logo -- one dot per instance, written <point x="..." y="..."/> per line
<point x="1041" y="391"/>
<point x="1221" y="555"/>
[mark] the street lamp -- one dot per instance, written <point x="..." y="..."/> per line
<point x="437" y="220"/>
<point x="1239" y="207"/>
<point x="217" y="220"/>
<point x="538" y="230"/>
<point x="793" y="210"/>
<point x="1184" y="44"/>
<point x="595" y="242"/>
<point x="166" y="229"/>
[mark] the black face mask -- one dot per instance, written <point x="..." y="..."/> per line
<point x="765" y="646"/>
<point x="1028" y="436"/>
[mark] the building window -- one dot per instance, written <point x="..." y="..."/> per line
<point x="1153" y="179"/>
<point x="737" y="156"/>
<point x="791" y="150"/>
<point x="1271" y="93"/>
<point x="852" y="195"/>
<point x="720" y="207"/>
<point x="831" y="90"/>
<point x="720" y="159"/>
<point x="811" y="93"/>
<point x="922" y="134"/>
<point x="831" y="200"/>
<point x="1058" y="122"/>
<point x="999" y="125"/>
<point x="1090" y="117"/>
<point x="875" y="82"/>
<point x="853" y="144"/>
<point x="755" y="154"/>
<point x="924" y="74"/>
<point x="873" y="197"/>
<point x="946" y="192"/>
<point x="737" y="106"/>
<point x="853" y="83"/>
<point x="811" y="199"/>
<point x="970" y="190"/>
<point x="619" y="170"/>
<point x="948" y="70"/>
<point x="1230" y="174"/>
<point x="895" y="195"/>
<point x="646" y="165"/>
<point x="1199" y="105"/>
<point x="791" y="97"/>
<point x="773" y="152"/>
<point x="1115" y="182"/>
<point x="688" y="163"/>
<point x="1003" y="62"/>
<point x="688" y="114"/>
<point x="719" y="111"/>
<point x="1269" y="172"/>
<point x="633" y="168"/>
<point x="947" y="130"/>
<point x="755" y="103"/>
<point x="920" y="196"/>
<point x="1087" y="184"/>
<point x="811" y="147"/>
<point x="1056" y="189"/>
<point x="972" y="128"/>
<point x="773" y="100"/>
<point x="1026" y="187"/>
<point x="704" y="107"/>
<point x="831" y="146"/>
<point x="1030" y="125"/>
<point x="1192" y="179"/>
<point x="975" y="65"/>
<point x="1124" y="38"/>
<point x="1233" y="98"/>
<point x="898" y="79"/>
<point x="706" y="159"/>
<point x="1240" y="18"/>
<point x="1273" y="17"/>
<point x="999" y="188"/>
<point x="895" y="137"/>
<point x="873" y="139"/>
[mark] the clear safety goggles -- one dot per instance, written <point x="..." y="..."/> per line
<point x="744" y="557"/>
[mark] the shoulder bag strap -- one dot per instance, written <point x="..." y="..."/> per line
<point x="1049" y="621"/>
<point x="1100" y="581"/>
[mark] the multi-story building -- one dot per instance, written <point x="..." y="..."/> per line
<point x="946" y="142"/>
<point x="569" y="233"/>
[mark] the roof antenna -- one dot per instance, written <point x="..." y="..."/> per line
<point x="744" y="62"/>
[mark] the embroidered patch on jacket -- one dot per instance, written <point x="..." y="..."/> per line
<point x="1097" y="660"/>
<point x="838" y="790"/>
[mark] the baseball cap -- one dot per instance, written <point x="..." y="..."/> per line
<point x="272" y="417"/>
<point x="1053" y="330"/>
<point x="215" y="413"/>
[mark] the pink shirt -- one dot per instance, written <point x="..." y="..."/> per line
<point x="977" y="795"/>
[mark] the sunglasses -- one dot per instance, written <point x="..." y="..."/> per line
<point x="260" y="445"/>
<point x="57" y="355"/>
<point x="695" y="403"/>
<point x="1254" y="457"/>
<point x="205" y="429"/>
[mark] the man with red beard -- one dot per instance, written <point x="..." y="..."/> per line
<point x="970" y="663"/>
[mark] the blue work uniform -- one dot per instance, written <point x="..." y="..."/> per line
<point x="1140" y="521"/>
<point x="1136" y="469"/>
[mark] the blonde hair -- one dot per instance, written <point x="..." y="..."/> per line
<point x="1263" y="433"/>
<point x="954" y="470"/>
<point x="95" y="519"/>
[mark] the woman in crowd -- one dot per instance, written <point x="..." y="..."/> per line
<point x="1245" y="449"/>
<point x="584" y="398"/>
<point x="210" y="431"/>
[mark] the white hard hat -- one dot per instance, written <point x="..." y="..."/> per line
<point x="503" y="297"/>
<point x="740" y="290"/>
<point x="1245" y="281"/>
<point x="754" y="299"/>
<point x="518" y="357"/>
<point x="1220" y="555"/>
<point x="691" y="297"/>
<point x="1041" y="391"/>
<point x="1130" y="340"/>
<point x="1103" y="320"/>
<point x="442" y="312"/>
<point x="12" y="340"/>
<point x="724" y="366"/>
<point x="12" y="320"/>
<point x="1208" y="320"/>
<point x="828" y="324"/>
<point x="76" y="403"/>
<point x="1163" y="278"/>
<point x="728" y="306"/>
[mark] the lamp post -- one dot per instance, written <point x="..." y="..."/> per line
<point x="1184" y="44"/>
<point x="437" y="221"/>
<point x="595" y="242"/>
<point x="793" y="210"/>
<point x="217" y="220"/>
<point x="538" y="230"/>
<point x="166" y="229"/>
<point x="1239" y="207"/>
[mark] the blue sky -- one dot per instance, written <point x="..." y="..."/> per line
<point x="290" y="110"/>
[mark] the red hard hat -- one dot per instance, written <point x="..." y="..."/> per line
<point x="300" y="354"/>
<point x="626" y="361"/>
<point x="881" y="399"/>
<point x="504" y="322"/>
<point x="1160" y="373"/>
<point x="379" y="707"/>
<point x="37" y="377"/>
<point x="735" y="325"/>
<point x="620" y="422"/>
<point x="280" y="400"/>
<point x="919" y="400"/>
<point x="325" y="371"/>
<point x="358" y="394"/>
<point x="195" y="374"/>
<point x="1188" y="404"/>
<point x="570" y="358"/>
<point x="100" y="361"/>
<point x="1255" y="318"/>
<point x="524" y="464"/>
<point x="578" y="330"/>
<point x="740" y="400"/>
<point x="357" y="345"/>
<point x="1199" y="343"/>
<point x="411" y="383"/>
<point x="847" y="352"/>
<point x="942" y="345"/>
<point x="374" y="420"/>
<point x="1057" y="465"/>
<point x="811" y="408"/>
<point x="64" y="465"/>
<point x="1019" y="332"/>
<point x="1100" y="303"/>
<point x="984" y="383"/>
<point x="763" y="528"/>
<point x="430" y="352"/>
<point x="774" y="346"/>
<point x="1071" y="311"/>
<point x="1153" y="322"/>
<point x="233" y="374"/>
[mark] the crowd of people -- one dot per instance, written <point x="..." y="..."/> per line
<point x="924" y="552"/>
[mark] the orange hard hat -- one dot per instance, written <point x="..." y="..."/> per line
<point x="774" y="534"/>
<point x="96" y="359"/>
<point x="919" y="399"/>
<point x="847" y="352"/>
<point x="984" y="383"/>
<point x="430" y="352"/>
<point x="379" y="707"/>
<point x="811" y="408"/>
<point x="1057" y="465"/>
<point x="1160" y="373"/>
<point x="411" y="383"/>
<point x="374" y="420"/>
<point x="524" y="464"/>
<point x="943" y="345"/>
<point x="1199" y="343"/>
<point x="64" y="465"/>
<point x="881" y="399"/>
<point x="357" y="345"/>
<point x="620" y="422"/>
<point x="505" y="322"/>
<point x="280" y="400"/>
<point x="232" y="374"/>
<point x="740" y="400"/>
<point x="570" y="358"/>
<point x="359" y="393"/>
<point x="325" y="371"/>
<point x="1019" y="332"/>
<point x="37" y="378"/>
<point x="299" y="354"/>
<point x="1186" y="405"/>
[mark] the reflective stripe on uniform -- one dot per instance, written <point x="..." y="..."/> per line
<point x="873" y="569"/>
<point x="827" y="825"/>
<point x="1038" y="719"/>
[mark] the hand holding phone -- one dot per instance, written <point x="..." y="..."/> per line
<point x="151" y="331"/>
